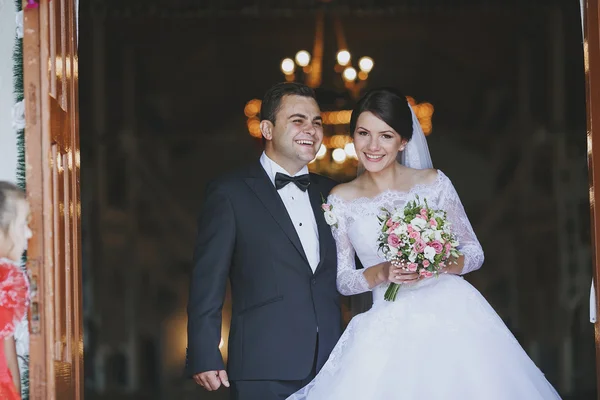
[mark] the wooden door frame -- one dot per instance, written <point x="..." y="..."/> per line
<point x="37" y="70"/>
<point x="591" y="50"/>
<point x="37" y="148"/>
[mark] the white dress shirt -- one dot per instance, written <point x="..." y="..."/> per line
<point x="297" y="204"/>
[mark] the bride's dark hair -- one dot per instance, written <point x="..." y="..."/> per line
<point x="390" y="106"/>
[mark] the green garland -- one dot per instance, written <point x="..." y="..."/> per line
<point x="18" y="96"/>
<point x="25" y="378"/>
<point x="18" y="93"/>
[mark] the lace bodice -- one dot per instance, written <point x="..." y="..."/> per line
<point x="358" y="229"/>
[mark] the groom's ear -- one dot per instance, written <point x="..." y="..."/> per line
<point x="266" y="128"/>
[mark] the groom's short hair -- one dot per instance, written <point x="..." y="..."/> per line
<point x="272" y="99"/>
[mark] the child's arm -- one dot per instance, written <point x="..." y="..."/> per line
<point x="10" y="352"/>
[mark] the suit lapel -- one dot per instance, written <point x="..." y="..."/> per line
<point x="262" y="186"/>
<point x="315" y="200"/>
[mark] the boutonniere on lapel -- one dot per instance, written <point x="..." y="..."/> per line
<point x="327" y="208"/>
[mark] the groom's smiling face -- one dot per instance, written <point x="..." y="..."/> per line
<point x="296" y="136"/>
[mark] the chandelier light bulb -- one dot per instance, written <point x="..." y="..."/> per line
<point x="322" y="151"/>
<point x="343" y="57"/>
<point x="338" y="155"/>
<point x="287" y="66"/>
<point x="303" y="58"/>
<point x="366" y="64"/>
<point x="350" y="74"/>
<point x="350" y="150"/>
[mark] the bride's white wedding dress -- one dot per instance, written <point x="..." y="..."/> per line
<point x="439" y="340"/>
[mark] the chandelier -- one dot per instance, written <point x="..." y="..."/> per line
<point x="337" y="156"/>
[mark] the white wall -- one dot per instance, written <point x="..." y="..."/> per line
<point x="8" y="139"/>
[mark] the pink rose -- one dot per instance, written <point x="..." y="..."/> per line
<point x="423" y="212"/>
<point x="394" y="241"/>
<point x="448" y="246"/>
<point x="419" y="246"/>
<point x="426" y="263"/>
<point x="412" y="267"/>
<point x="389" y="223"/>
<point x="326" y="207"/>
<point x="421" y="217"/>
<point x="433" y="222"/>
<point x="414" y="235"/>
<point x="409" y="228"/>
<point x="437" y="246"/>
<point x="426" y="274"/>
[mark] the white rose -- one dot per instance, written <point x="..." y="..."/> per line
<point x="19" y="21"/>
<point x="393" y="251"/>
<point x="429" y="253"/>
<point x="427" y="235"/>
<point x="400" y="230"/>
<point x="330" y="218"/>
<point x="412" y="257"/>
<point x="397" y="217"/>
<point x="419" y="224"/>
<point x="18" y="116"/>
<point x="438" y="235"/>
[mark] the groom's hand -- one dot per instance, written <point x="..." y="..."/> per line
<point x="212" y="380"/>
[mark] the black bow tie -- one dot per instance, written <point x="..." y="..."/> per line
<point x="302" y="181"/>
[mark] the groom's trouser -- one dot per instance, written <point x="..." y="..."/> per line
<point x="270" y="390"/>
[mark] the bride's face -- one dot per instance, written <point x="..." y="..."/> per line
<point x="377" y="144"/>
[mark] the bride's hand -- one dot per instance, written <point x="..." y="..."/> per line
<point x="385" y="272"/>
<point x="399" y="274"/>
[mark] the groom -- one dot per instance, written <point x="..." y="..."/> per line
<point x="263" y="228"/>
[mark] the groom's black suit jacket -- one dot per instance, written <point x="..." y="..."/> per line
<point x="245" y="234"/>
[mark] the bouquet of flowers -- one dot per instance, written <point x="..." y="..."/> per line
<point x="418" y="236"/>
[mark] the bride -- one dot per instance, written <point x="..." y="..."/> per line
<point x="439" y="339"/>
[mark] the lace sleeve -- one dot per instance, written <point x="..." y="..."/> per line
<point x="350" y="281"/>
<point x="468" y="243"/>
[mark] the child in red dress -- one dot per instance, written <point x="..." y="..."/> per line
<point x="14" y="233"/>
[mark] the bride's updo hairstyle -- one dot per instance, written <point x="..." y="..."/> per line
<point x="390" y="106"/>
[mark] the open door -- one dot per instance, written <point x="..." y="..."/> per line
<point x="591" y="49"/>
<point x="52" y="168"/>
